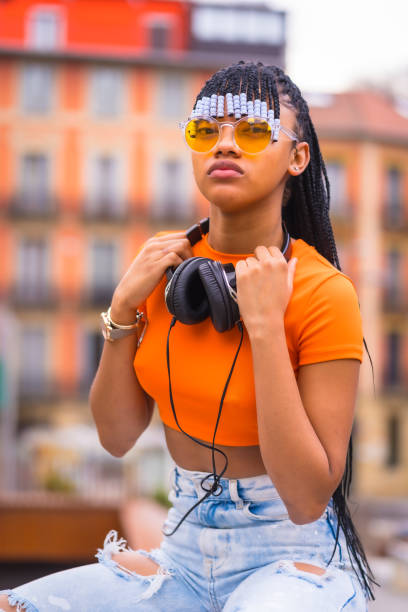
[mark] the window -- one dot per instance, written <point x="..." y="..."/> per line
<point x="106" y="92"/>
<point x="159" y="35"/>
<point x="171" y="199"/>
<point x="392" y="373"/>
<point x="37" y="85"/>
<point x="105" y="197"/>
<point x="393" y="196"/>
<point x="34" y="189"/>
<point x="103" y="270"/>
<point x="336" y="174"/>
<point x="393" y="437"/>
<point x="32" y="360"/>
<point x="32" y="276"/>
<point x="44" y="29"/>
<point x="393" y="277"/>
<point x="237" y="25"/>
<point x="172" y="95"/>
<point x="92" y="354"/>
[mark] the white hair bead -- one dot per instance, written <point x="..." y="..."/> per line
<point x="271" y="115"/>
<point x="220" y="107"/>
<point x="276" y="129"/>
<point x="264" y="110"/>
<point x="230" y="103"/>
<point x="237" y="107"/>
<point x="213" y="105"/>
<point x="206" y="105"/>
<point x="243" y="101"/>
<point x="250" y="106"/>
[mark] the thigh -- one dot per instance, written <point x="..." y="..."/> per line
<point x="97" y="587"/>
<point x="282" y="587"/>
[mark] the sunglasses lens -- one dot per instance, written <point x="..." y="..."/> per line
<point x="253" y="134"/>
<point x="201" y="134"/>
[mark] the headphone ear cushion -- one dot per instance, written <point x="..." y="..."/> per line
<point x="185" y="297"/>
<point x="218" y="296"/>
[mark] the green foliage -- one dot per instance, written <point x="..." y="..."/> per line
<point x="58" y="483"/>
<point x="160" y="496"/>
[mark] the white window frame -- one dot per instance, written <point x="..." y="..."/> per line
<point x="37" y="11"/>
<point x="96" y="73"/>
<point x="26" y="108"/>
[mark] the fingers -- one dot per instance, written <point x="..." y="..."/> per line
<point x="162" y="245"/>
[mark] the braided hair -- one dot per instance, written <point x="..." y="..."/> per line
<point x="305" y="210"/>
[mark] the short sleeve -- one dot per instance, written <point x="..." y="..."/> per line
<point x="332" y="326"/>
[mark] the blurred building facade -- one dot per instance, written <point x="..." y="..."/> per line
<point x="364" y="138"/>
<point x="92" y="163"/>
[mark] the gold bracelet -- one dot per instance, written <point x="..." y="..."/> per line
<point x="139" y="316"/>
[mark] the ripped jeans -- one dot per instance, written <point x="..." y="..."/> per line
<point x="234" y="553"/>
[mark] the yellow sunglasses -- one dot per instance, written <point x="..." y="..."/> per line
<point x="251" y="134"/>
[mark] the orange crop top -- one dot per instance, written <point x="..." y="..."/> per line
<point x="322" y="322"/>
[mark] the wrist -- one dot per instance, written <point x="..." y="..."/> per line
<point x="267" y="331"/>
<point x="121" y="312"/>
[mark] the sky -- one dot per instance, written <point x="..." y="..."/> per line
<point x="334" y="45"/>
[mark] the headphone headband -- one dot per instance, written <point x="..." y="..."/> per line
<point x="196" y="232"/>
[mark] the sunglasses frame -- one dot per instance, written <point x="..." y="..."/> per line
<point x="280" y="128"/>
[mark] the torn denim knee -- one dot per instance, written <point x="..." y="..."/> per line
<point x="113" y="545"/>
<point x="22" y="604"/>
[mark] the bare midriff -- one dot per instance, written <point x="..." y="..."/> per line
<point x="243" y="461"/>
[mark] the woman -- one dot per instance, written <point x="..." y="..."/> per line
<point x="255" y="373"/>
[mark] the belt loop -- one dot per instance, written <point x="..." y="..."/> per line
<point x="233" y="489"/>
<point x="197" y="486"/>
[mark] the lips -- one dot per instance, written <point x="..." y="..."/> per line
<point x="225" y="167"/>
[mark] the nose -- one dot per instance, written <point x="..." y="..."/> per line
<point x="226" y="139"/>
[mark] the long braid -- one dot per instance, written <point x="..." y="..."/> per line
<point x="305" y="210"/>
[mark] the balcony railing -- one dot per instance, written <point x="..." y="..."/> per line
<point x="394" y="219"/>
<point x="34" y="388"/>
<point x="395" y="303"/>
<point x="111" y="211"/>
<point x="98" y="296"/>
<point x="25" y="206"/>
<point x="33" y="296"/>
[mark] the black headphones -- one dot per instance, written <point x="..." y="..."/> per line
<point x="201" y="287"/>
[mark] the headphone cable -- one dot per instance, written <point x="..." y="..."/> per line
<point x="217" y="477"/>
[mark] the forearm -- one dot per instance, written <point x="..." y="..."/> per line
<point x="291" y="451"/>
<point x="118" y="403"/>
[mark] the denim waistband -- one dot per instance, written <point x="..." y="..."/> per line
<point x="252" y="488"/>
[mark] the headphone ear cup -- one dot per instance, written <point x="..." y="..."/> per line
<point x="185" y="296"/>
<point x="219" y="299"/>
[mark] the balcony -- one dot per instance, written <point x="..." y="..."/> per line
<point x="32" y="295"/>
<point x="106" y="211"/>
<point x="37" y="389"/>
<point x="99" y="297"/>
<point x="394" y="387"/>
<point x="394" y="219"/>
<point x="24" y="206"/>
<point x="394" y="303"/>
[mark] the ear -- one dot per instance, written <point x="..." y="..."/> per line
<point x="299" y="158"/>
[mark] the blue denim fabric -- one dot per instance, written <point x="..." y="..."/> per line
<point x="235" y="552"/>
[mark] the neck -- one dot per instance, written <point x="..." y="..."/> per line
<point x="242" y="231"/>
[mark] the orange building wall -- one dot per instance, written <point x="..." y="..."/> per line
<point x="92" y="25"/>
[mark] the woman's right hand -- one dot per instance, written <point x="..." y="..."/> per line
<point x="146" y="271"/>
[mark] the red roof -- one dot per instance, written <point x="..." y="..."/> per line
<point x="360" y="114"/>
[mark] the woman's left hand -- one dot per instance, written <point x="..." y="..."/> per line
<point x="264" y="287"/>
